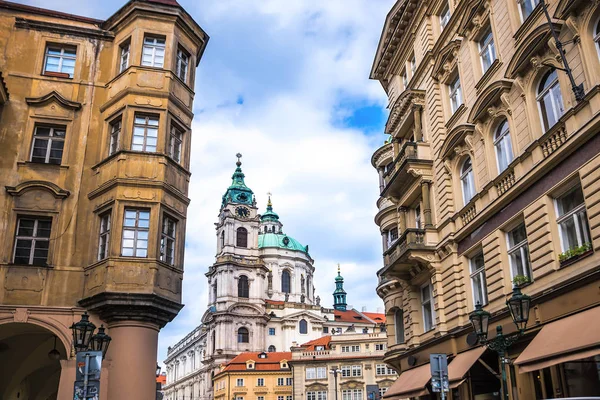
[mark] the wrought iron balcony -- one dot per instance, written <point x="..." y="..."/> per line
<point x="407" y="255"/>
<point x="413" y="158"/>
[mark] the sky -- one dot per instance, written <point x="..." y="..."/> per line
<point x="285" y="83"/>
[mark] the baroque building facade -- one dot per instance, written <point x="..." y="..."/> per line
<point x="95" y="131"/>
<point x="490" y="179"/>
<point x="261" y="297"/>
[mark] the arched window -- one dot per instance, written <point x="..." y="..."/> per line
<point x="265" y="229"/>
<point x="243" y="287"/>
<point x="271" y="349"/>
<point x="399" y="325"/>
<point x="467" y="180"/>
<point x="286" y="281"/>
<point x="550" y="99"/>
<point x="503" y="145"/>
<point x="214" y="342"/>
<point x="303" y="325"/>
<point x="242" y="237"/>
<point x="222" y="239"/>
<point x="243" y="335"/>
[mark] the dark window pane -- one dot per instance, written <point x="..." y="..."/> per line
<point x="26" y="227"/>
<point x="43" y="229"/>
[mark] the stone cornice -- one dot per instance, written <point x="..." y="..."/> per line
<point x="53" y="95"/>
<point x="61" y="29"/>
<point x="408" y="98"/>
<point x="22" y="187"/>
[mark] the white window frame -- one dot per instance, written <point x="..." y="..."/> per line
<point x="168" y="239"/>
<point x="503" y="146"/>
<point x="260" y="382"/>
<point x="346" y="371"/>
<point x="478" y="272"/>
<point x="153" y="47"/>
<point x="579" y="217"/>
<point x="239" y="382"/>
<point x="522" y="249"/>
<point x="467" y="181"/>
<point x="175" y="142"/>
<point x="62" y="56"/>
<point x="52" y="137"/>
<point x="288" y="381"/>
<point x="321" y="372"/>
<point x="34" y="239"/>
<point x="487" y="49"/>
<point x="311" y="373"/>
<point x="418" y="216"/>
<point x="597" y="36"/>
<point x="455" y="94"/>
<point x="352" y="394"/>
<point x="532" y="3"/>
<point x="116" y="127"/>
<point x="445" y="16"/>
<point x="150" y="126"/>
<point x="104" y="236"/>
<point x="391" y="238"/>
<point x="357" y="370"/>
<point x="125" y="53"/>
<point x="138" y="230"/>
<point x="430" y="302"/>
<point x="316" y="395"/>
<point x="380" y="346"/>
<point x="413" y="66"/>
<point x="550" y="94"/>
<point x="182" y="65"/>
<point x="280" y="381"/>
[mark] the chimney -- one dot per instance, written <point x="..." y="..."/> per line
<point x="364" y="308"/>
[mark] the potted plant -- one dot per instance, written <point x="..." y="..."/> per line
<point x="575" y="253"/>
<point x="521" y="280"/>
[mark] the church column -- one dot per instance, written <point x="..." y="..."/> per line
<point x="426" y="203"/>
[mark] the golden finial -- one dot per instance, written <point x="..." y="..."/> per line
<point x="338" y="267"/>
<point x="269" y="204"/>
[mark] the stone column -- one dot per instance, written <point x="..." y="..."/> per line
<point x="395" y="147"/>
<point x="132" y="356"/>
<point x="426" y="203"/>
<point x="418" y="127"/>
<point x="384" y="240"/>
<point x="401" y="220"/>
<point x="381" y="181"/>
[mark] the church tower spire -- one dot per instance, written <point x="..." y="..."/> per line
<point x="238" y="192"/>
<point x="339" y="294"/>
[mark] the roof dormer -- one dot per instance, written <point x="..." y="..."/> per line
<point x="250" y="364"/>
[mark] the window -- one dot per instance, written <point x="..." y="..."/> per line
<point x="383" y="369"/>
<point x="351" y="349"/>
<point x="135" y="233"/>
<point x="242" y="237"/>
<point x="236" y="398"/>
<point x="418" y="216"/>
<point x="477" y="267"/>
<point x="311" y="373"/>
<point x="303" y="325"/>
<point x="153" y="53"/>
<point x="243" y="287"/>
<point x="271" y="331"/>
<point x="550" y="99"/>
<point x="271" y="349"/>
<point x="382" y="391"/>
<point x="526" y="7"/>
<point x="183" y="60"/>
<point x="261" y="397"/>
<point x="289" y="397"/>
<point x="124" y="58"/>
<point x="346" y="371"/>
<point x="260" y="382"/>
<point x="321" y="372"/>
<point x="399" y="325"/>
<point x="572" y="219"/>
<point x="167" y="240"/>
<point x="518" y="252"/>
<point x="222" y="239"/>
<point x="175" y="141"/>
<point x="104" y="236"/>
<point x="325" y="329"/>
<point x="243" y="335"/>
<point x="487" y="49"/>
<point x="115" y="134"/>
<point x="352" y="394"/>
<point x="413" y="65"/>
<point x="32" y="240"/>
<point x="503" y="145"/>
<point x="239" y="382"/>
<point x="60" y="60"/>
<point x="286" y="281"/>
<point x="427" y="308"/>
<point x="321" y="395"/>
<point x="320" y="348"/>
<point x="356" y="370"/>
<point x="392" y="236"/>
<point x="48" y="144"/>
<point x="404" y="87"/>
<point x="444" y="16"/>
<point x="280" y="381"/>
<point x="467" y="180"/>
<point x="288" y="381"/>
<point x="597" y="36"/>
<point x="145" y="133"/>
<point x="280" y="398"/>
<point x="455" y="94"/>
<point x="379" y="346"/>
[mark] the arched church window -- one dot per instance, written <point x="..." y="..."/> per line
<point x="243" y="335"/>
<point x="271" y="349"/>
<point x="222" y="239"/>
<point x="243" y="287"/>
<point x="303" y="325"/>
<point x="286" y="282"/>
<point x="399" y="325"/>
<point x="242" y="237"/>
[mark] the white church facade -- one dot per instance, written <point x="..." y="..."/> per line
<point x="261" y="297"/>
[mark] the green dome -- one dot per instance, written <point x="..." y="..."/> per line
<point x="269" y="215"/>
<point x="281" y="241"/>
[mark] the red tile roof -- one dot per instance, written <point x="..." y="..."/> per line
<point x="322" y="341"/>
<point x="351" y="316"/>
<point x="377" y="317"/>
<point x="162" y="379"/>
<point x="271" y="363"/>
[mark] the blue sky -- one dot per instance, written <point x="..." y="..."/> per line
<point x="284" y="82"/>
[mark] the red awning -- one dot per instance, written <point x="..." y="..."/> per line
<point x="410" y="383"/>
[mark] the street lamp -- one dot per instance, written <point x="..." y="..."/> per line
<point x="82" y="333"/>
<point x="518" y="306"/>
<point x="335" y="371"/>
<point x="100" y="341"/>
<point x="158" y="368"/>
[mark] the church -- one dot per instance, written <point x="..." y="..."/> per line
<point x="262" y="297"/>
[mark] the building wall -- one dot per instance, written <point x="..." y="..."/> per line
<point x="225" y="385"/>
<point x="546" y="162"/>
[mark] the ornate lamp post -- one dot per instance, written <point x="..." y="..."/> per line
<point x="82" y="333"/>
<point x="518" y="306"/>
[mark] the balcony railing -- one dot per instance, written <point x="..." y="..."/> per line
<point x="411" y="238"/>
<point x="408" y="151"/>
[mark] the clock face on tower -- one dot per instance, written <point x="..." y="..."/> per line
<point x="242" y="212"/>
<point x="242" y="197"/>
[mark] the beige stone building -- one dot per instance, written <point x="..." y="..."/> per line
<point x="95" y="139"/>
<point x="358" y="360"/>
<point x="490" y="178"/>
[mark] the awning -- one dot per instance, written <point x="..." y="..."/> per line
<point x="410" y="383"/>
<point x="568" y="339"/>
<point x="461" y="364"/>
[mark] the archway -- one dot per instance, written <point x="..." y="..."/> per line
<point x="29" y="372"/>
